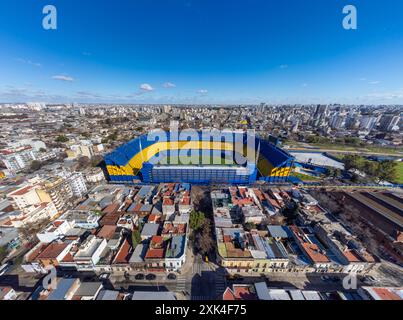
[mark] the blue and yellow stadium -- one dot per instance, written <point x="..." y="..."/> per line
<point x="198" y="158"/>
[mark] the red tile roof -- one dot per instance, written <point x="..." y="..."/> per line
<point x="107" y="232"/>
<point x="185" y="201"/>
<point x="52" y="251"/>
<point x="155" y="254"/>
<point x="314" y="253"/>
<point x="238" y="293"/>
<point x="22" y="191"/>
<point x="386" y="294"/>
<point x="123" y="255"/>
<point x="351" y="256"/>
<point x="167" y="202"/>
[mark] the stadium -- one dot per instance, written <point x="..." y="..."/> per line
<point x="198" y="158"/>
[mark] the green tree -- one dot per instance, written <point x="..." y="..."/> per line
<point x="62" y="139"/>
<point x="371" y="168"/>
<point x="351" y="162"/>
<point x="35" y="165"/>
<point x="96" y="160"/>
<point x="250" y="226"/>
<point x="136" y="238"/>
<point x="3" y="252"/>
<point x="196" y="220"/>
<point x="387" y="170"/>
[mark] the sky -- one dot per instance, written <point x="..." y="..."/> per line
<point x="202" y="51"/>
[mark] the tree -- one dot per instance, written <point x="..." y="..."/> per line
<point x="84" y="162"/>
<point x="387" y="170"/>
<point x="371" y="168"/>
<point x="250" y="226"/>
<point x="205" y="238"/>
<point x="197" y="220"/>
<point x="62" y="139"/>
<point x="96" y="160"/>
<point x="43" y="150"/>
<point x="136" y="238"/>
<point x="35" y="165"/>
<point x="351" y="162"/>
<point x="3" y="253"/>
<point x="29" y="231"/>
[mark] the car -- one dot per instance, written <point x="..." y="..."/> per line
<point x="104" y="276"/>
<point x="171" y="276"/>
<point x="5" y="268"/>
<point x="235" y="277"/>
<point x="139" y="276"/>
<point x="325" y="278"/>
<point x="151" y="277"/>
<point x="369" y="280"/>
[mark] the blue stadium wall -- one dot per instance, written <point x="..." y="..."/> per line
<point x="125" y="165"/>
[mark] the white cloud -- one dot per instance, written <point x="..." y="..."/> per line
<point x="63" y="78"/>
<point x="284" y="66"/>
<point x="304" y="85"/>
<point x="385" y="96"/>
<point x="202" y="91"/>
<point x="146" y="87"/>
<point x="35" y="64"/>
<point x="169" y="85"/>
<point x="375" y="82"/>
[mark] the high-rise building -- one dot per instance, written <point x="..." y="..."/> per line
<point x="389" y="122"/>
<point x="368" y="122"/>
<point x="17" y="159"/>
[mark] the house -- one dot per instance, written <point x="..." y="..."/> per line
<point x="56" y="230"/>
<point x="107" y="232"/>
<point x="110" y="295"/>
<point x="239" y="292"/>
<point x="64" y="290"/>
<point x="54" y="253"/>
<point x="87" y="291"/>
<point x="89" y="253"/>
<point x="185" y="204"/>
<point x="381" y="293"/>
<point x="149" y="230"/>
<point x="82" y="219"/>
<point x="123" y="256"/>
<point x="168" y="207"/>
<point x="175" y="255"/>
<point x="7" y="293"/>
<point x="153" y="296"/>
<point x="137" y="259"/>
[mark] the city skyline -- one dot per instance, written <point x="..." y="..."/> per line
<point x="196" y="52"/>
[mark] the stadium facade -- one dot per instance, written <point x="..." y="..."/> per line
<point x="233" y="158"/>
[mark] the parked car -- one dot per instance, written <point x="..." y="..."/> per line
<point x="151" y="277"/>
<point x="171" y="276"/>
<point x="139" y="276"/>
<point x="104" y="276"/>
<point x="235" y="277"/>
<point x="5" y="267"/>
<point x="325" y="278"/>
